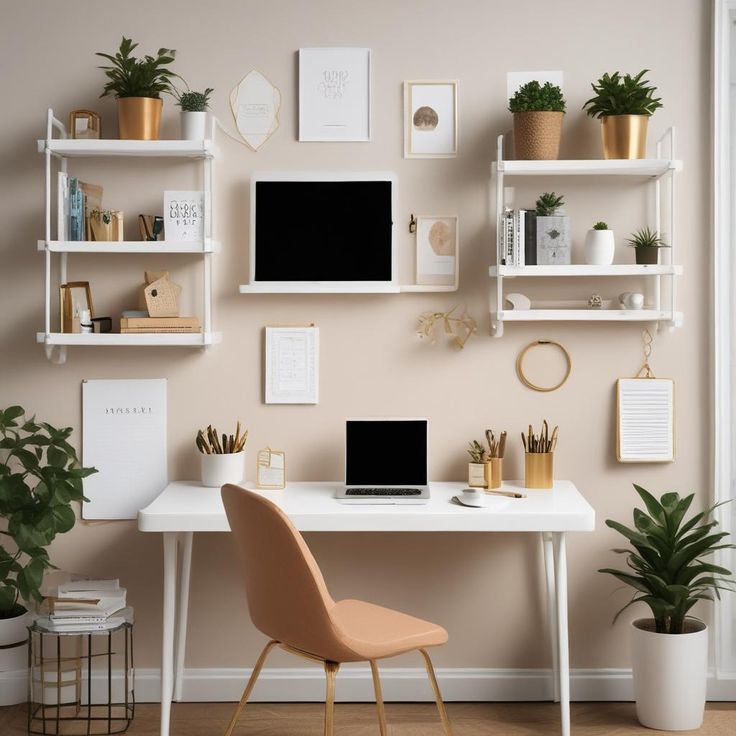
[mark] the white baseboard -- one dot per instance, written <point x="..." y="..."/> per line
<point x="354" y="684"/>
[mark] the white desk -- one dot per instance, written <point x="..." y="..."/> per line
<point x="186" y="507"/>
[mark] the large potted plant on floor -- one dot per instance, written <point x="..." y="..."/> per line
<point x="667" y="570"/>
<point x="137" y="85"/>
<point x="40" y="478"/>
<point x="538" y="111"/>
<point x="624" y="105"/>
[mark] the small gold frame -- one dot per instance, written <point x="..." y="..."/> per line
<point x="94" y="124"/>
<point x="263" y="462"/>
<point x="66" y="315"/>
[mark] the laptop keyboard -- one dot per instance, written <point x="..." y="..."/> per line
<point x="383" y="492"/>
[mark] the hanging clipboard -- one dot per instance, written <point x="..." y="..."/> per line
<point x="645" y="418"/>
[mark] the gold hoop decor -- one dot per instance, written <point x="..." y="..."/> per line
<point x="520" y="366"/>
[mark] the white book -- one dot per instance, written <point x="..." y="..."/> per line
<point x="521" y="232"/>
<point x="104" y="607"/>
<point x="62" y="207"/>
<point x="76" y="586"/>
<point x="110" y="623"/>
<point x="91" y="594"/>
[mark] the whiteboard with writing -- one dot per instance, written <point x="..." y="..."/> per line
<point x="292" y="365"/>
<point x="124" y="437"/>
<point x="646" y="420"/>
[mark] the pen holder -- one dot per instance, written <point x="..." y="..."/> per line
<point x="219" y="469"/>
<point x="538" y="469"/>
<point x="494" y="472"/>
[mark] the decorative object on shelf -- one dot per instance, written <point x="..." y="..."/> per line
<point x="457" y="328"/>
<point x="84" y="124"/>
<point x="437" y="250"/>
<point x="194" y="106"/>
<point x="624" y="105"/>
<point x="137" y="85"/>
<point x="631" y="300"/>
<point x="539" y="456"/>
<point x="151" y="227"/>
<point x="477" y="471"/>
<point x="646" y="244"/>
<point x="494" y="465"/>
<point x="255" y="104"/>
<point x="600" y="246"/>
<point x="518" y="301"/>
<point x="595" y="301"/>
<point x="184" y="216"/>
<point x="222" y="456"/>
<point x="667" y="571"/>
<point x="271" y="469"/>
<point x="75" y="297"/>
<point x="430" y="119"/>
<point x="520" y="366"/>
<point x="553" y="231"/>
<point x="538" y="112"/>
<point x="106" y="225"/>
<point x="41" y="467"/>
<point x="162" y="297"/>
<point x="292" y="365"/>
<point x="412" y="224"/>
<point x="519" y="237"/>
<point x="334" y="94"/>
<point x="144" y="325"/>
<point x="101" y="325"/>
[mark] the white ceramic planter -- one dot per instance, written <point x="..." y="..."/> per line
<point x="193" y="126"/>
<point x="14" y="659"/>
<point x="599" y="247"/>
<point x="670" y="673"/>
<point x="217" y="470"/>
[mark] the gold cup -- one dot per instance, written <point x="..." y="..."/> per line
<point x="139" y="118"/>
<point x="624" y="136"/>
<point x="494" y="472"/>
<point x="538" y="469"/>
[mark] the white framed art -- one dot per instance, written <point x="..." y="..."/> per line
<point x="430" y="119"/>
<point x="184" y="216"/>
<point x="292" y="365"/>
<point x="437" y="250"/>
<point x="334" y="94"/>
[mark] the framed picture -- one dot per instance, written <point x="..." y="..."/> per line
<point x="74" y="298"/>
<point x="334" y="94"/>
<point x="184" y="216"/>
<point x="437" y="250"/>
<point x="292" y="365"/>
<point x="430" y="119"/>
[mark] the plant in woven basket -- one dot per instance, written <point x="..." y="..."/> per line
<point x="534" y="97"/>
<point x="646" y="238"/>
<point x="548" y="204"/>
<point x="190" y="101"/>
<point x="617" y="94"/>
<point x="600" y="226"/>
<point x="477" y="452"/>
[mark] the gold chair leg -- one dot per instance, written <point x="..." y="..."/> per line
<point x="331" y="669"/>
<point x="249" y="687"/>
<point x="437" y="694"/>
<point x="379" y="697"/>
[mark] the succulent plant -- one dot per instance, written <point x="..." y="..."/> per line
<point x="535" y="97"/>
<point x="477" y="452"/>
<point x="190" y="101"/>
<point x="600" y="225"/>
<point x="548" y="204"/>
<point x="622" y="95"/>
<point x="646" y="238"/>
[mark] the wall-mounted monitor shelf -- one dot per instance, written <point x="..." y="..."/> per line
<point x="72" y="148"/>
<point x="129" y="246"/>
<point x="584" y="270"/>
<point x="322" y="288"/>
<point x="197" y="340"/>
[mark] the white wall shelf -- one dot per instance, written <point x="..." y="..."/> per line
<point x="298" y="287"/>
<point x="174" y="339"/>
<point x="574" y="270"/>
<point x="72" y="148"/>
<point x="643" y="168"/>
<point x="591" y="315"/>
<point x="129" y="246"/>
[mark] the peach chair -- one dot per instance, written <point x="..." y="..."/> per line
<point x="289" y="603"/>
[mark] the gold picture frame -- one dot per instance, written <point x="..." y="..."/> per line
<point x="73" y="297"/>
<point x="271" y="469"/>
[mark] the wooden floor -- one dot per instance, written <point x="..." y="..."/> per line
<point x="405" y="719"/>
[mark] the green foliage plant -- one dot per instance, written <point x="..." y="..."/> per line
<point x="646" y="238"/>
<point x="40" y="478"/>
<point x="477" y="452"/>
<point x="617" y="94"/>
<point x="535" y="97"/>
<point x="129" y="76"/>
<point x="190" y="101"/>
<point x="548" y="204"/>
<point x="600" y="226"/>
<point x="666" y="568"/>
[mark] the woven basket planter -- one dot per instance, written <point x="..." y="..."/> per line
<point x="537" y="135"/>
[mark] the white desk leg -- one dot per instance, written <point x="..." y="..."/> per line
<point x="185" y="539"/>
<point x="169" y="628"/>
<point x="549" y="569"/>
<point x="562" y="642"/>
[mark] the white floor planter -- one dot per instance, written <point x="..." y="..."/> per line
<point x="600" y="247"/>
<point x="193" y="126"/>
<point x="13" y="631"/>
<point x="217" y="470"/>
<point x="670" y="675"/>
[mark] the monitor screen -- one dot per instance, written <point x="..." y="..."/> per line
<point x="381" y="452"/>
<point x="323" y="230"/>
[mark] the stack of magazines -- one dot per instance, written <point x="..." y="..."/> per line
<point x="86" y="605"/>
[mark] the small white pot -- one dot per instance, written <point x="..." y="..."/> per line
<point x="14" y="659"/>
<point x="193" y="126"/>
<point x="599" y="247"/>
<point x="670" y="673"/>
<point x="217" y="470"/>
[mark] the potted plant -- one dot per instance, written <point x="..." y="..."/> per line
<point x="553" y="231"/>
<point x="137" y="85"/>
<point x="538" y="111"/>
<point x="624" y="105"/>
<point x="222" y="456"/>
<point x="646" y="244"/>
<point x="599" y="245"/>
<point x="194" y="106"/>
<point x="40" y="478"/>
<point x="478" y="471"/>
<point x="667" y="571"/>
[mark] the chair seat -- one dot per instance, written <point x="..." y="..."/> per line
<point x="374" y="632"/>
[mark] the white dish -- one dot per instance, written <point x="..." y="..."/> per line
<point x="494" y="503"/>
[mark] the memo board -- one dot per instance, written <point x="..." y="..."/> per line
<point x="645" y="418"/>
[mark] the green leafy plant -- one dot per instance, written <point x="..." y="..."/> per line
<point x="646" y="238"/>
<point x="40" y="477"/>
<point x="600" y="226"/>
<point x="548" y="204"/>
<point x="534" y="97"/>
<point x="622" y="95"/>
<point x="194" y="101"/>
<point x="666" y="567"/>
<point x="477" y="452"/>
<point x="132" y="77"/>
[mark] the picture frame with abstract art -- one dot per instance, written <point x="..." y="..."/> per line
<point x="437" y="250"/>
<point x="430" y="119"/>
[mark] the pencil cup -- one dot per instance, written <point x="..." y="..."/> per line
<point x="538" y="469"/>
<point x="494" y="472"/>
<point x="217" y="470"/>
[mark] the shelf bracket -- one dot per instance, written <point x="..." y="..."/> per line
<point x="56" y="354"/>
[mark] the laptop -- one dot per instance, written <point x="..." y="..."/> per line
<point x="385" y="461"/>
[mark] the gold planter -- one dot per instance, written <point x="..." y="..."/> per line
<point x="538" y="469"/>
<point x="477" y="475"/>
<point x="624" y="136"/>
<point x="139" y="118"/>
<point x="494" y="472"/>
<point x="537" y="135"/>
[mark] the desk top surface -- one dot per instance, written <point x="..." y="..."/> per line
<point x="187" y="506"/>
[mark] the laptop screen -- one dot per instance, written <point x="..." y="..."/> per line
<point x="386" y="452"/>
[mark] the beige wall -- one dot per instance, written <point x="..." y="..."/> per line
<point x="487" y="591"/>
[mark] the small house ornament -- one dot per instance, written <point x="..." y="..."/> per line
<point x="162" y="297"/>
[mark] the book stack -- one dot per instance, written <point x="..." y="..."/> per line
<point x="86" y="605"/>
<point x="143" y="325"/>
<point x="519" y="238"/>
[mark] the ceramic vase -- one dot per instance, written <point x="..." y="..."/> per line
<point x="599" y="247"/>
<point x="14" y="658"/>
<point x="193" y="126"/>
<point x="218" y="470"/>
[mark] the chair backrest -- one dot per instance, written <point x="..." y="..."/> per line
<point x="287" y="596"/>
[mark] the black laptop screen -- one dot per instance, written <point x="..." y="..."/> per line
<point x="386" y="452"/>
